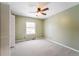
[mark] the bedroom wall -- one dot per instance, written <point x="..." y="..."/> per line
<point x="64" y="27"/>
<point x="0" y="29"/>
<point x="20" y="28"/>
<point x="4" y="29"/>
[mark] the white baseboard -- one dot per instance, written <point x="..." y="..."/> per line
<point x="62" y="45"/>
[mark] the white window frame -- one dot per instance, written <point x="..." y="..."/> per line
<point x="30" y="28"/>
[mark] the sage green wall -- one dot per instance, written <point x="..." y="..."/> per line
<point x="64" y="27"/>
<point x="20" y="27"/>
<point x="0" y="29"/>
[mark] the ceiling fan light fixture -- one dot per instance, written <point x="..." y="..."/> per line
<point x="38" y="14"/>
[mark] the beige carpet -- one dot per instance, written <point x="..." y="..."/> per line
<point x="41" y="48"/>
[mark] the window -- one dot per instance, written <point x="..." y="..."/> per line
<point x="30" y="27"/>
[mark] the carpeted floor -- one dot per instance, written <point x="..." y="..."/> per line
<point x="41" y="48"/>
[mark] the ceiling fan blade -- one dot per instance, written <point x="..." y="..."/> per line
<point x="45" y="9"/>
<point x="43" y="13"/>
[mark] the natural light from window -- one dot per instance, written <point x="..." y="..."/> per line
<point x="30" y="27"/>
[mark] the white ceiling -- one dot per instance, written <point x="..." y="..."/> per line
<point x="26" y="8"/>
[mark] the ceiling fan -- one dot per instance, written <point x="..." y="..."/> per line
<point x="41" y="9"/>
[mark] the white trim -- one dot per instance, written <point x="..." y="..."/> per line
<point x="62" y="45"/>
